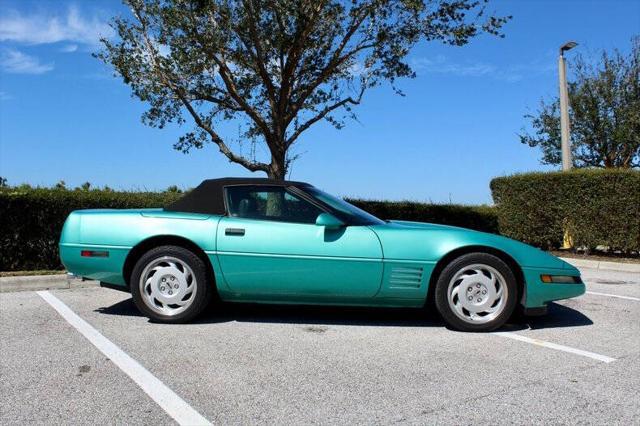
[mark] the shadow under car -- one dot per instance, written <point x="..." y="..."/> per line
<point x="557" y="316"/>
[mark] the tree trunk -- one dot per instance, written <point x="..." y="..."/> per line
<point x="278" y="166"/>
<point x="275" y="204"/>
<point x="277" y="171"/>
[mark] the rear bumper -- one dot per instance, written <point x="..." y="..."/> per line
<point x="107" y="269"/>
<point x="538" y="294"/>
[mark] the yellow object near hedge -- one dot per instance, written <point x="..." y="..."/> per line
<point x="594" y="207"/>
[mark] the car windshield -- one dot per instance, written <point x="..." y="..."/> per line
<point x="346" y="211"/>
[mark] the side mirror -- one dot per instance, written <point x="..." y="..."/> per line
<point x="329" y="221"/>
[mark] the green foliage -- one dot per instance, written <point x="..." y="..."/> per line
<point x="276" y="67"/>
<point x="32" y="218"/>
<point x="604" y="113"/>
<point x="481" y="218"/>
<point x="598" y="207"/>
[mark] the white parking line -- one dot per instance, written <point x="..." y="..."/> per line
<point x="174" y="406"/>
<point x="614" y="295"/>
<point x="555" y="346"/>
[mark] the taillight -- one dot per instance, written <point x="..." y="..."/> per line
<point x="94" y="253"/>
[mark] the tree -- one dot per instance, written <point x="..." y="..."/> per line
<point x="273" y="68"/>
<point x="604" y="114"/>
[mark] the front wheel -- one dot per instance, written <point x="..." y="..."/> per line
<point x="170" y="284"/>
<point x="476" y="292"/>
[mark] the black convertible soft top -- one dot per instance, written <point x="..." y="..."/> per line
<point x="208" y="197"/>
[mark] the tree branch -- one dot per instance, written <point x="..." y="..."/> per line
<point x="336" y="60"/>
<point x="227" y="78"/>
<point x="293" y="56"/>
<point x="322" y="114"/>
<point x="179" y="92"/>
<point x="251" y="165"/>
<point x="259" y="54"/>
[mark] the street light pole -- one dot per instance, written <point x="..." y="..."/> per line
<point x="565" y="130"/>
<point x="567" y="162"/>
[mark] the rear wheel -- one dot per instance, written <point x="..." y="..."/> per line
<point x="476" y="292"/>
<point x="170" y="284"/>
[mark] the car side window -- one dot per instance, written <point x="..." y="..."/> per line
<point x="269" y="203"/>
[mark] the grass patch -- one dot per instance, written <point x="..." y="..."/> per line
<point x="27" y="273"/>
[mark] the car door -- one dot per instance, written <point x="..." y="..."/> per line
<point x="269" y="247"/>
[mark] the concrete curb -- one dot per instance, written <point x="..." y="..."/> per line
<point x="42" y="282"/>
<point x="602" y="264"/>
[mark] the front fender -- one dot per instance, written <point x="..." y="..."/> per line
<point x="430" y="243"/>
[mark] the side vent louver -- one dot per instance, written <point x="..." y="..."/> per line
<point x="406" y="276"/>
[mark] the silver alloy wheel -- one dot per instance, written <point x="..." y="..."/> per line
<point x="168" y="285"/>
<point x="477" y="293"/>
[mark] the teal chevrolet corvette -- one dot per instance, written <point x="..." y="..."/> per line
<point x="265" y="241"/>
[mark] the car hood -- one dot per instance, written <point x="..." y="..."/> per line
<point x="430" y="242"/>
<point x="426" y="225"/>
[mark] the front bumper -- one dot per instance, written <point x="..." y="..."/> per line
<point x="538" y="294"/>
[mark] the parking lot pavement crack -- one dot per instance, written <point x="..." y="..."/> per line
<point x="483" y="396"/>
<point x="545" y="379"/>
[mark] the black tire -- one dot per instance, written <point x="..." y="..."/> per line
<point x="204" y="287"/>
<point x="444" y="305"/>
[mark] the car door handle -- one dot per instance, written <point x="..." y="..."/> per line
<point x="234" y="231"/>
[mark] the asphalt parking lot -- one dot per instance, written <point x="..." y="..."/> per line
<point x="91" y="358"/>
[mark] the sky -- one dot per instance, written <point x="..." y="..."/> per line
<point x="64" y="116"/>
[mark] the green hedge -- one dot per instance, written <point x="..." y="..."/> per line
<point x="597" y="207"/>
<point x="31" y="219"/>
<point x="481" y="218"/>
